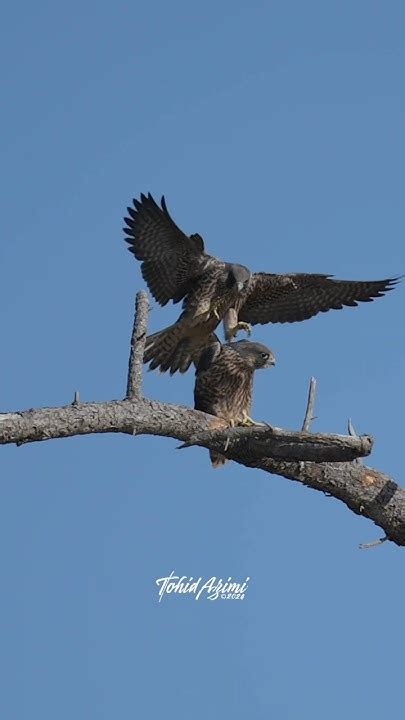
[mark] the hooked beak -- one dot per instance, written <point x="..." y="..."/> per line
<point x="240" y="286"/>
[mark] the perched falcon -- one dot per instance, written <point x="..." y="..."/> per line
<point x="224" y="382"/>
<point x="176" y="267"/>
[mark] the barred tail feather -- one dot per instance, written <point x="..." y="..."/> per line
<point x="169" y="349"/>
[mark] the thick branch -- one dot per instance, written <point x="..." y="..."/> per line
<point x="257" y="442"/>
<point x="138" y="338"/>
<point x="142" y="416"/>
<point x="132" y="417"/>
<point x="365" y="491"/>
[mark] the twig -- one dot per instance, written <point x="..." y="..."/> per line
<point x="76" y="398"/>
<point x="138" y="339"/>
<point x="374" y="543"/>
<point x="350" y="428"/>
<point x="352" y="433"/>
<point x="309" y="413"/>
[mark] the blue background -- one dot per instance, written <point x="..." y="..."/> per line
<point x="276" y="130"/>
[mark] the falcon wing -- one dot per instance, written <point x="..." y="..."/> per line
<point x="170" y="259"/>
<point x="291" y="298"/>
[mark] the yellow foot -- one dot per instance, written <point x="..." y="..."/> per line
<point x="248" y="422"/>
<point x="232" y="332"/>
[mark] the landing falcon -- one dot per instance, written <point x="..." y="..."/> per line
<point x="176" y="267"/>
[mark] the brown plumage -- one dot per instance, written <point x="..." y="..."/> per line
<point x="299" y="296"/>
<point x="224" y="382"/>
<point x="176" y="267"/>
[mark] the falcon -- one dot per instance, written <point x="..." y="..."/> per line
<point x="224" y="382"/>
<point x="176" y="267"/>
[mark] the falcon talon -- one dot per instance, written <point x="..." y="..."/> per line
<point x="249" y="422"/>
<point x="245" y="326"/>
<point x="232" y="332"/>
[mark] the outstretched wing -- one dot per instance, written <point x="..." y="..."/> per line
<point x="291" y="298"/>
<point x="170" y="259"/>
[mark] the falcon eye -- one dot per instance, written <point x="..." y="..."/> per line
<point x="265" y="356"/>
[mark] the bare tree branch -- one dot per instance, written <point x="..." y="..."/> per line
<point x="374" y="543"/>
<point x="258" y="442"/>
<point x="138" y="339"/>
<point x="366" y="491"/>
<point x="141" y="416"/>
<point x="132" y="417"/>
<point x="317" y="460"/>
<point x="309" y="413"/>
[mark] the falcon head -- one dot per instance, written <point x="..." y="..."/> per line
<point x="255" y="354"/>
<point x="238" y="277"/>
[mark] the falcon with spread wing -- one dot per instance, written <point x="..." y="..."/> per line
<point x="176" y="267"/>
<point x="224" y="381"/>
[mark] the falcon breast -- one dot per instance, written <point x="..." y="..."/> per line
<point x="224" y="381"/>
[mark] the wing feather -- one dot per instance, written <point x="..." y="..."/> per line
<point x="170" y="259"/>
<point x="299" y="296"/>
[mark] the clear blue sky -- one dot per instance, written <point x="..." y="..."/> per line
<point x="276" y="130"/>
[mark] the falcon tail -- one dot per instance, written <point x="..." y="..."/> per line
<point x="173" y="348"/>
<point x="217" y="460"/>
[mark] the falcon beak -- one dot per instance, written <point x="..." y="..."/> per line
<point x="271" y="362"/>
<point x="240" y="286"/>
